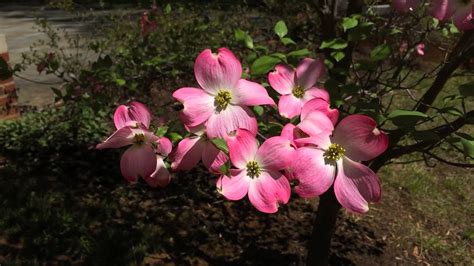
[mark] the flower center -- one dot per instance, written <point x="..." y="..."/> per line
<point x="222" y="99"/>
<point x="139" y="139"/>
<point x="253" y="169"/>
<point x="298" y="91"/>
<point x="334" y="152"/>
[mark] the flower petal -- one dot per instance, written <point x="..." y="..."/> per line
<point x="269" y="189"/>
<point x="121" y="117"/>
<point x="359" y="136"/>
<point x="288" y="131"/>
<point x="198" y="105"/>
<point x="275" y="153"/>
<point x="443" y="9"/>
<point x="309" y="71"/>
<point x="321" y="105"/>
<point x="282" y="79"/>
<point x="404" y="5"/>
<point x="463" y="16"/>
<point x="161" y="176"/>
<point x="217" y="71"/>
<point x="242" y="147"/>
<point x="213" y="158"/>
<point x="316" y="123"/>
<point x="140" y="113"/>
<point x="355" y="185"/>
<point x="220" y="124"/>
<point x="314" y="174"/>
<point x="187" y="154"/>
<point x="164" y="146"/>
<point x="138" y="161"/>
<point x="251" y="94"/>
<point x="234" y="187"/>
<point x="315" y="92"/>
<point x="120" y="138"/>
<point x="289" y="106"/>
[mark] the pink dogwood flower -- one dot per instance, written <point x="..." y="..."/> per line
<point x="257" y="172"/>
<point x="420" y="49"/>
<point x="197" y="148"/>
<point x="404" y="5"/>
<point x="296" y="87"/>
<point x="161" y="176"/>
<point x="221" y="100"/>
<point x="130" y="115"/>
<point x="460" y="10"/>
<point x="335" y="159"/>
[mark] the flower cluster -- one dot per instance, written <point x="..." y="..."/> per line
<point x="318" y="151"/>
<point x="460" y="11"/>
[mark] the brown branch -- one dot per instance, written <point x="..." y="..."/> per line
<point x="467" y="165"/>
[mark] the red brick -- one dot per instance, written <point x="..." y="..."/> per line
<point x="5" y="56"/>
<point x="8" y="88"/>
<point x="8" y="80"/>
<point x="4" y="100"/>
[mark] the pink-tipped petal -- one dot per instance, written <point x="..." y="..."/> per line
<point x="242" y="147"/>
<point x="443" y="9"/>
<point x="138" y="161"/>
<point x="314" y="174"/>
<point x="275" y="153"/>
<point x="121" y="117"/>
<point x="309" y="71"/>
<point x="187" y="154"/>
<point x="120" y="138"/>
<point x="268" y="190"/>
<point x="217" y="71"/>
<point x="198" y="105"/>
<point x="140" y="113"/>
<point x="420" y="49"/>
<point x="250" y="93"/>
<point x="164" y="146"/>
<point x="288" y="132"/>
<point x="316" y="123"/>
<point x="213" y="158"/>
<point x="321" y="105"/>
<point x="282" y="79"/>
<point x="356" y="185"/>
<point x="463" y="17"/>
<point x="289" y="106"/>
<point x="234" y="187"/>
<point x="315" y="92"/>
<point x="161" y="176"/>
<point x="359" y="136"/>
<point x="220" y="124"/>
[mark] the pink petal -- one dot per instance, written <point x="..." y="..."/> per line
<point x="359" y="136"/>
<point x="316" y="123"/>
<point x="251" y="94"/>
<point x="463" y="16"/>
<point x="217" y="71"/>
<point x="161" y="176"/>
<point x="120" y="138"/>
<point x="315" y="92"/>
<point x="149" y="137"/>
<point x="164" y="146"/>
<point x="404" y="5"/>
<point x="187" y="154"/>
<point x="314" y="174"/>
<point x="139" y="112"/>
<point x="321" y="105"/>
<point x="213" y="158"/>
<point x="309" y="71"/>
<point x="443" y="9"/>
<point x="220" y="124"/>
<point x="420" y="49"/>
<point x="275" y="153"/>
<point x="242" y="147"/>
<point x="282" y="79"/>
<point x="288" y="131"/>
<point x="355" y="185"/>
<point x="138" y="161"/>
<point x="121" y="116"/>
<point x="269" y="189"/>
<point x="198" y="105"/>
<point x="234" y="187"/>
<point x="289" y="106"/>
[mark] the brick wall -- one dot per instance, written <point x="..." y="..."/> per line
<point x="8" y="97"/>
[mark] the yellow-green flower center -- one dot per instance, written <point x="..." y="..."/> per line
<point x="222" y="99"/>
<point x="139" y="139"/>
<point x="298" y="92"/>
<point x="253" y="169"/>
<point x="334" y="152"/>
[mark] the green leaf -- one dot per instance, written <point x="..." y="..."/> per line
<point x="280" y="29"/>
<point x="467" y="90"/>
<point x="335" y="44"/>
<point x="467" y="142"/>
<point x="224" y="169"/>
<point x="338" y="55"/>
<point x="264" y="64"/>
<point x="279" y="55"/>
<point x="161" y="131"/>
<point x="167" y="9"/>
<point x="349" y="23"/>
<point x="221" y="144"/>
<point x="380" y="52"/>
<point x="298" y="53"/>
<point x="287" y="41"/>
<point x="452" y="111"/>
<point x="258" y="110"/>
<point x="244" y="37"/>
<point x="175" y="137"/>
<point x="406" y="118"/>
<point x="120" y="82"/>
